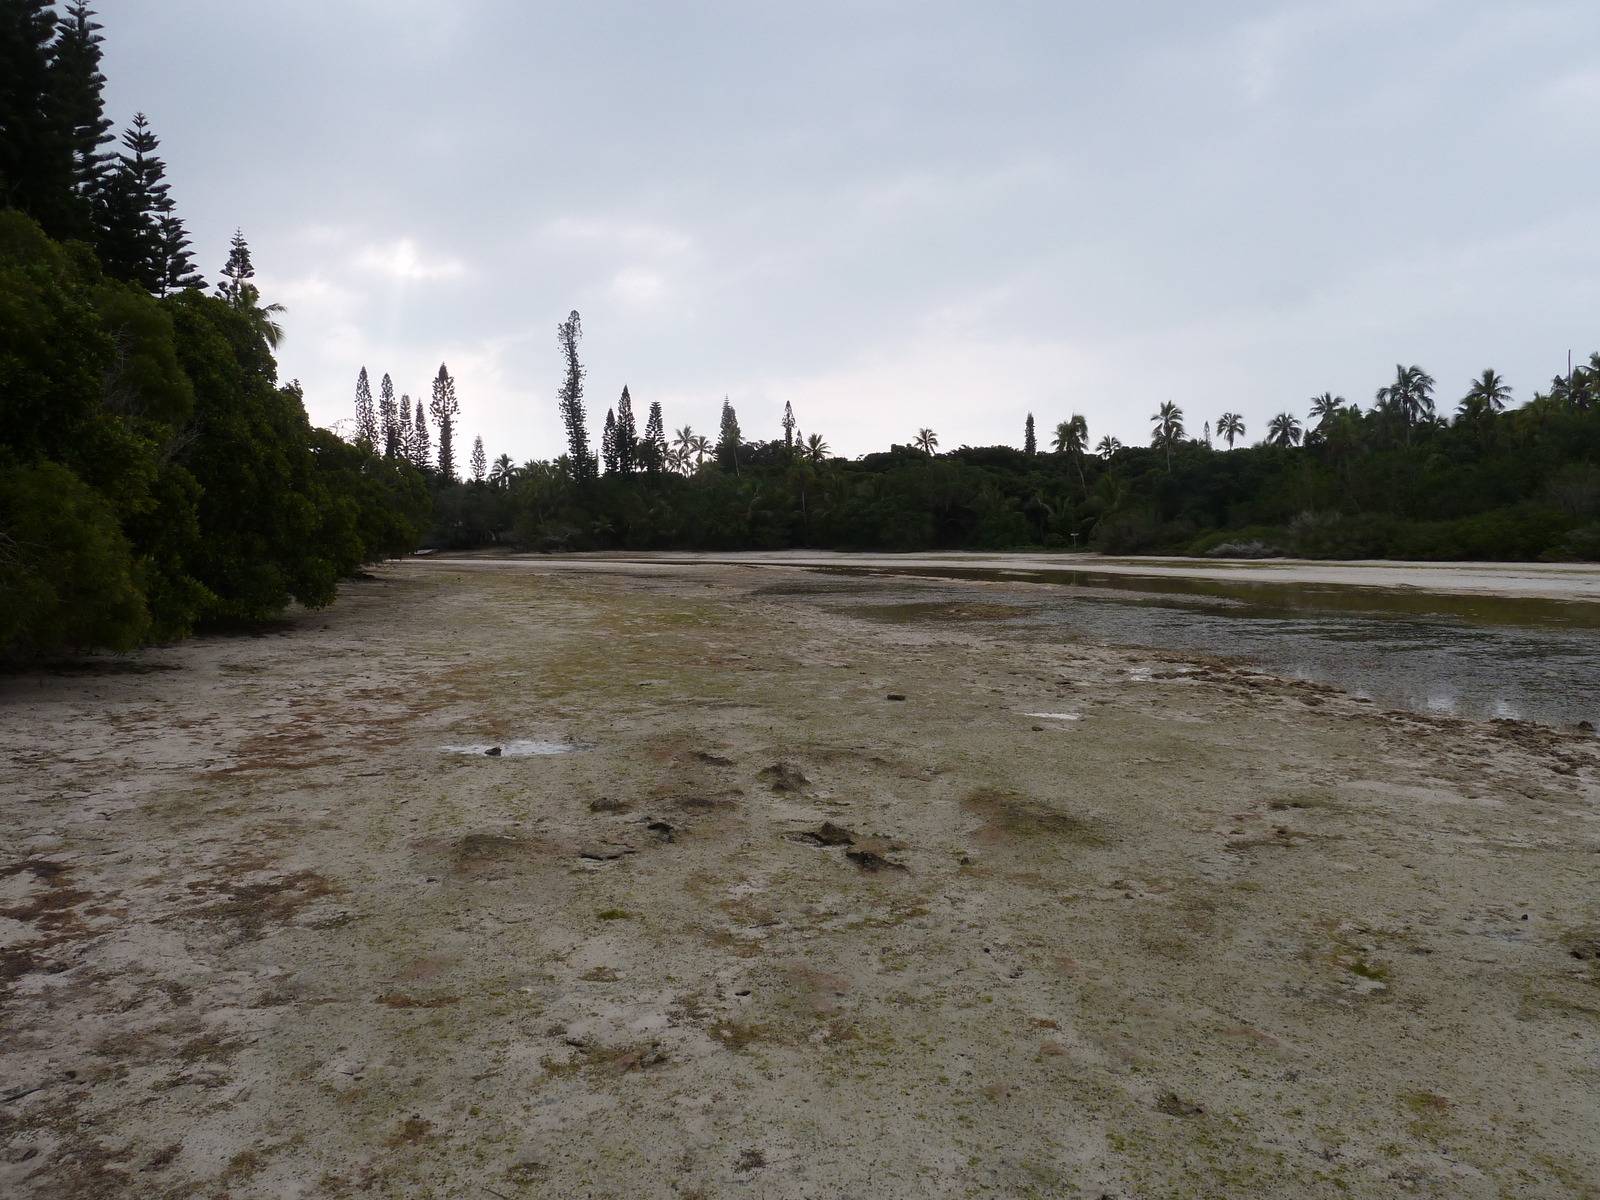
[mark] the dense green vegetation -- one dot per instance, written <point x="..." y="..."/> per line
<point x="1397" y="480"/>
<point x="153" y="472"/>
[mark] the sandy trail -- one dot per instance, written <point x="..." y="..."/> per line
<point x="775" y="932"/>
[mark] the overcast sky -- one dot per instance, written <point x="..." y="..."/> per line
<point x="894" y="215"/>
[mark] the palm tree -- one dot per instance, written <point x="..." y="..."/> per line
<point x="1490" y="390"/>
<point x="686" y="443"/>
<point x="1072" y="437"/>
<point x="504" y="471"/>
<point x="1107" y="446"/>
<point x="1325" y="406"/>
<point x="1168" y="421"/>
<point x="1283" y="430"/>
<point x="1409" y="399"/>
<point x="926" y="440"/>
<point x="1230" y="425"/>
<point x="683" y="441"/>
<point x="816" y="448"/>
<point x="247" y="300"/>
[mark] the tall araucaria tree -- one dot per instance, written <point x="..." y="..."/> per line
<point x="1030" y="443"/>
<point x="626" y="447"/>
<point x="366" y="417"/>
<point x="130" y="210"/>
<point x="242" y="295"/>
<point x="406" y="438"/>
<point x="568" y="334"/>
<point x="608" y="442"/>
<point x="80" y="111"/>
<point x="388" y="419"/>
<point x="788" y="426"/>
<point x="728" y="438"/>
<point x="445" y="408"/>
<point x="653" y="446"/>
<point x="52" y="121"/>
<point x="421" y="442"/>
<point x="480" y="461"/>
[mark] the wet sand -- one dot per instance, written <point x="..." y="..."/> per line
<point x="825" y="907"/>
<point x="1549" y="581"/>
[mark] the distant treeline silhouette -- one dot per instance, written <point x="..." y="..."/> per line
<point x="1399" y="479"/>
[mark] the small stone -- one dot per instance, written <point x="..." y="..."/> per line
<point x="1038" y="728"/>
<point x="493" y="752"/>
<point x="896" y="696"/>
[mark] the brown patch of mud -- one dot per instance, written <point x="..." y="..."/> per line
<point x="252" y="907"/>
<point x="490" y="854"/>
<point x="785" y="777"/>
<point x="1010" y="815"/>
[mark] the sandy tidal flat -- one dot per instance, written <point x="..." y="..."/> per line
<point x="816" y="906"/>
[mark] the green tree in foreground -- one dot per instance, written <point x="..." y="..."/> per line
<point x="152" y="472"/>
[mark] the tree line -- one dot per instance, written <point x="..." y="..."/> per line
<point x="1398" y="479"/>
<point x="155" y="475"/>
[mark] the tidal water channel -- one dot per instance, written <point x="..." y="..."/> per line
<point x="1470" y="656"/>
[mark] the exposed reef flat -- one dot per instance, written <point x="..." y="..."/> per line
<point x="1056" y="920"/>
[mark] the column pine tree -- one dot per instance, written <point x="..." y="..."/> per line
<point x="407" y="438"/>
<point x="445" y="408"/>
<point x="366" y="419"/>
<point x="626" y="445"/>
<point x="420" y="441"/>
<point x="569" y="333"/>
<point x="654" y="446"/>
<point x="388" y="419"/>
<point x="608" y="442"/>
<point x="728" y="438"/>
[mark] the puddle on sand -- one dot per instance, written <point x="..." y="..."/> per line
<point x="1453" y="655"/>
<point x="517" y="749"/>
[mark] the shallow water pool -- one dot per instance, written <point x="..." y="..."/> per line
<point x="1459" y="655"/>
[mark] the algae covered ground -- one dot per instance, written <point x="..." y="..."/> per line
<point x="810" y="905"/>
